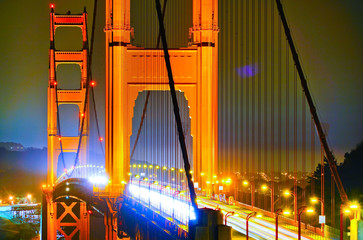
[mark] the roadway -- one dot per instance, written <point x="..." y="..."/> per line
<point x="259" y="228"/>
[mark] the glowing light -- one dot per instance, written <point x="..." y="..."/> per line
<point x="217" y="182"/>
<point x="134" y="166"/>
<point x="164" y="168"/>
<point x="259" y="215"/>
<point x="101" y="139"/>
<point x="245" y="182"/>
<point x="214" y="176"/>
<point x="157" y="167"/>
<point x="93" y="83"/>
<point x="202" y="174"/>
<point x="44" y="186"/>
<point x="310" y="210"/>
<point x="208" y="182"/>
<point x="89" y="211"/>
<point x="146" y="179"/>
<point x="123" y="182"/>
<point x="129" y="174"/>
<point x="52" y="5"/>
<point x="156" y="183"/>
<point x="228" y="181"/>
<point x="286" y="212"/>
<point x="82" y="114"/>
<point x="172" y="169"/>
<point x="98" y="180"/>
<point x="145" y="166"/>
<point x="191" y="171"/>
<point x="347" y="210"/>
<point x="137" y="176"/>
<point x="287" y="193"/>
<point x="354" y="206"/>
<point x="67" y="183"/>
<point x="139" y="166"/>
<point x="11" y="198"/>
<point x="67" y="189"/>
<point x="166" y="203"/>
<point x="59" y="138"/>
<point x="181" y="170"/>
<point x="314" y="200"/>
<point x="264" y="187"/>
<point x="55" y="83"/>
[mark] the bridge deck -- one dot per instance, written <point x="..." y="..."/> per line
<point x="263" y="227"/>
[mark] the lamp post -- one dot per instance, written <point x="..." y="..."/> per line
<point x="288" y="193"/>
<point x="277" y="214"/>
<point x="228" y="214"/>
<point x="252" y="214"/>
<point x="265" y="187"/>
<point x="300" y="211"/>
<point x="315" y="200"/>
<point x="246" y="183"/>
<point x="353" y="207"/>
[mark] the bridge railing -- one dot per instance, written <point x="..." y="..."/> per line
<point x="94" y="173"/>
<point x="307" y="229"/>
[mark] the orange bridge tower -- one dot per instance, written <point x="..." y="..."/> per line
<point x="129" y="71"/>
<point x="61" y="214"/>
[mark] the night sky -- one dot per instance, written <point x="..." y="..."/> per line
<point x="328" y="35"/>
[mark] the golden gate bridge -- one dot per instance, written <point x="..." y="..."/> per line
<point x="193" y="129"/>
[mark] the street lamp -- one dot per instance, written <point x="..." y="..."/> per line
<point x="252" y="214"/>
<point x="228" y="214"/>
<point x="300" y="211"/>
<point x="264" y="187"/>
<point x="315" y="200"/>
<point x="246" y="183"/>
<point x="277" y="214"/>
<point x="347" y="210"/>
<point x="288" y="193"/>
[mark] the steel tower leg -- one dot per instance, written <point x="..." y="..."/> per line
<point x="53" y="219"/>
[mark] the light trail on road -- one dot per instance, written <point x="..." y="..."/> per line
<point x="258" y="228"/>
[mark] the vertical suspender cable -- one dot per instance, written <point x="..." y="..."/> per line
<point x="330" y="158"/>
<point x="247" y="93"/>
<point x="279" y="74"/>
<point x="253" y="96"/>
<point x="312" y="156"/>
<point x="272" y="130"/>
<point x="176" y="108"/>
<point x="287" y="119"/>
<point x="265" y="131"/>
<point x="147" y="97"/>
<point x="259" y="94"/>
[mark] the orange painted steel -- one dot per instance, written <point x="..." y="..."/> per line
<point x="58" y="144"/>
<point x="129" y="71"/>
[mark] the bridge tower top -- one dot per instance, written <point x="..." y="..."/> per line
<point x="58" y="143"/>
<point x="129" y="72"/>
